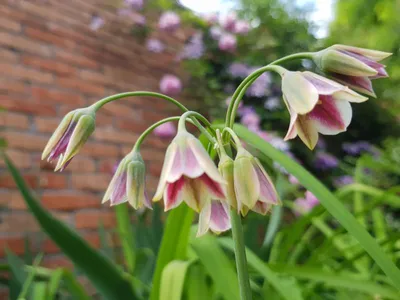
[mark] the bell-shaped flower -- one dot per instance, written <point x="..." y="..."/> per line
<point x="188" y="174"/>
<point x="128" y="183"/>
<point x="225" y="167"/>
<point x="215" y="217"/>
<point x="70" y="136"/>
<point x="352" y="66"/>
<point x="253" y="187"/>
<point x="328" y="109"/>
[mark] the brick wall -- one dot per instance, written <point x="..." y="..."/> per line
<point x="51" y="63"/>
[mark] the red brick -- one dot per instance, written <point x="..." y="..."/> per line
<point x="49" y="65"/>
<point x="131" y="124"/>
<point x="69" y="201"/>
<point x="18" y="71"/>
<point x="21" y="105"/>
<point x="17" y="222"/>
<point x="9" y="25"/>
<point x="92" y="238"/>
<point x="9" y="55"/>
<point x="121" y="110"/>
<point x="79" y="85"/>
<point x="46" y="36"/>
<point x="24" y="44"/>
<point x="110" y="135"/>
<point x="92" y="219"/>
<point x="47" y="125"/>
<point x="12" y="199"/>
<point x="25" y="140"/>
<point x="59" y="261"/>
<point x="15" y="244"/>
<point x="14" y="120"/>
<point x="92" y="182"/>
<point x="76" y="59"/>
<point x="54" y="96"/>
<point x="13" y="86"/>
<point x="99" y="149"/>
<point x="7" y="181"/>
<point x="50" y="180"/>
<point x="21" y="159"/>
<point x="108" y="166"/>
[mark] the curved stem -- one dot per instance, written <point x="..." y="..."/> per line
<point x="234" y="136"/>
<point x="252" y="77"/>
<point x="181" y="124"/>
<point x="104" y="101"/>
<point x="240" y="256"/>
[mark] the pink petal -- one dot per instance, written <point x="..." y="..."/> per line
<point x="204" y="219"/>
<point x="364" y="59"/>
<point x="267" y="190"/>
<point x="323" y="85"/>
<point x="62" y="144"/>
<point x="147" y="202"/>
<point x="358" y="83"/>
<point x="261" y="207"/>
<point x="381" y="73"/>
<point x="177" y="167"/>
<point x="118" y="194"/>
<point x="220" y="220"/>
<point x="326" y="112"/>
<point x="214" y="187"/>
<point x="292" y="132"/>
<point x="192" y="168"/>
<point x="173" y="193"/>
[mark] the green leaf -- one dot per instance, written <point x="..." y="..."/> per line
<point x="328" y="200"/>
<point x="260" y="267"/>
<point x="104" y="243"/>
<point x="74" y="287"/>
<point x="218" y="266"/>
<point x="39" y="291"/>
<point x="173" y="279"/>
<point x="54" y="283"/>
<point x="18" y="275"/>
<point x="107" y="279"/>
<point x="28" y="282"/>
<point x="174" y="243"/>
<point x="126" y="236"/>
<point x="196" y="284"/>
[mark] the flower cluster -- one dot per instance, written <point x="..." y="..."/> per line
<point x="238" y="182"/>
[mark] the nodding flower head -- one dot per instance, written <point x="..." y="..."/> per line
<point x="188" y="174"/>
<point x="215" y="217"/>
<point x="70" y="136"/>
<point x="253" y="187"/>
<point x="128" y="183"/>
<point x="352" y="66"/>
<point x="316" y="105"/>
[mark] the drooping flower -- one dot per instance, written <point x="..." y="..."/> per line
<point x="188" y="174"/>
<point x="352" y="66"/>
<point x="194" y="49"/>
<point x="166" y="130"/>
<point x="227" y="42"/>
<point x="70" y="136"/>
<point x="238" y="70"/>
<point x="343" y="181"/>
<point x="305" y="205"/>
<point x="253" y="187"/>
<point x="325" y="161"/>
<point x="169" y="21"/>
<point x="215" y="217"/>
<point x="242" y="27"/>
<point x="170" y="85"/>
<point x="128" y="183"/>
<point x="154" y="45"/>
<point x="228" y="21"/>
<point x="316" y="105"/>
<point x="96" y="22"/>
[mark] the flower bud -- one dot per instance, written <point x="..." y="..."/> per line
<point x="70" y="136"/>
<point x="128" y="183"/>
<point x="225" y="167"/>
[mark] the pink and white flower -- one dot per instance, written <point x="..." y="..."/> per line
<point x="227" y="42"/>
<point x="170" y="85"/>
<point x="242" y="27"/>
<point x="228" y="21"/>
<point x="215" y="217"/>
<point x="189" y="175"/>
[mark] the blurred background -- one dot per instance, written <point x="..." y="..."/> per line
<point x="60" y="55"/>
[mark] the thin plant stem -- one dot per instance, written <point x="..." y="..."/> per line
<point x="240" y="256"/>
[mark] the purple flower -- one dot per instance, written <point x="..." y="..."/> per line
<point x="170" y="85"/>
<point x="259" y="88"/>
<point x="169" y="21"/>
<point x="215" y="32"/>
<point x="321" y="144"/>
<point x="194" y="49"/>
<point x="293" y="180"/>
<point x="343" y="181"/>
<point x="245" y="109"/>
<point x="325" y="161"/>
<point x="272" y="103"/>
<point x="139" y="19"/>
<point x="357" y="148"/>
<point x="166" y="130"/>
<point x="96" y="22"/>
<point x="242" y="27"/>
<point x="228" y="21"/>
<point x="305" y="205"/>
<point x="227" y="42"/>
<point x="251" y="119"/>
<point x="238" y="70"/>
<point x="135" y="4"/>
<point x="279" y="143"/>
<point x="154" y="45"/>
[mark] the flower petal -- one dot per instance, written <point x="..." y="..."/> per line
<point x="331" y="116"/>
<point x="118" y="195"/>
<point x="167" y="166"/>
<point x="323" y="85"/>
<point x="292" y="132"/>
<point x="360" y="84"/>
<point x="173" y="194"/>
<point x="215" y="188"/>
<point x="177" y="168"/>
<point x="268" y="193"/>
<point x="307" y="131"/>
<point x="191" y="167"/>
<point x="299" y="92"/>
<point x="198" y="194"/>
<point x="204" y="219"/>
<point x="371" y="54"/>
<point x="220" y="218"/>
<point x="135" y="184"/>
<point x="204" y="159"/>
<point x="262" y="208"/>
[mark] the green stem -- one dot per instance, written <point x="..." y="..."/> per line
<point x="240" y="255"/>
<point x="251" y="78"/>
<point x="181" y="124"/>
<point x="104" y="101"/>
